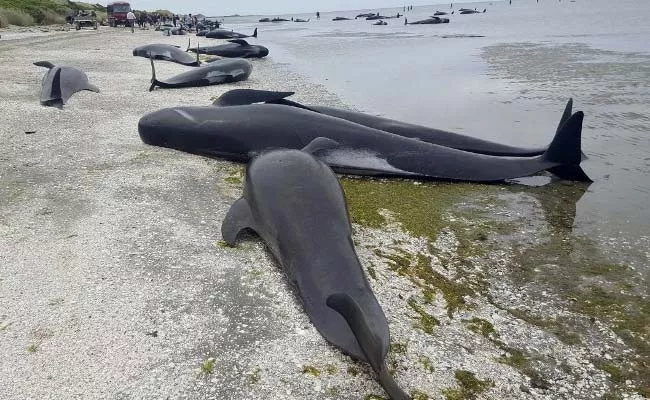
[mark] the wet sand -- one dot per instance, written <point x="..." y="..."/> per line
<point x="114" y="282"/>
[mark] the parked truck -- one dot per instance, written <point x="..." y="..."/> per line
<point x="117" y="11"/>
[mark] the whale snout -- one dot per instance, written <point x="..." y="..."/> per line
<point x="154" y="127"/>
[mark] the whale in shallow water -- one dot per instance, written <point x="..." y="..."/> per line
<point x="340" y="19"/>
<point x="61" y="82"/>
<point x="236" y="48"/>
<point x="428" y="21"/>
<point x="214" y="73"/>
<point x="423" y="133"/>
<point x="226" y="34"/>
<point x="237" y="132"/>
<point x="296" y="205"/>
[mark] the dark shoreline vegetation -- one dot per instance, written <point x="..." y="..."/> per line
<point x="48" y="12"/>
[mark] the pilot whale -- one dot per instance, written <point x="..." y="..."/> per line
<point x="236" y="48"/>
<point x="426" y="134"/>
<point x="166" y="52"/>
<point x="296" y="205"/>
<point x="237" y="132"/>
<point x="226" y="34"/>
<point x="214" y="73"/>
<point x="61" y="82"/>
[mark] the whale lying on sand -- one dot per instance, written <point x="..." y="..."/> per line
<point x="423" y="133"/>
<point x="226" y="34"/>
<point x="166" y="52"/>
<point x="236" y="48"/>
<point x="61" y="82"/>
<point x="237" y="132"/>
<point x="214" y="73"/>
<point x="296" y="205"/>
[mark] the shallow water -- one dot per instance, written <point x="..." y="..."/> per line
<point x="509" y="85"/>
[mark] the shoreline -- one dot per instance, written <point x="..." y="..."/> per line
<point x="116" y="284"/>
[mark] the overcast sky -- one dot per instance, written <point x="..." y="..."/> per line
<point x="270" y="7"/>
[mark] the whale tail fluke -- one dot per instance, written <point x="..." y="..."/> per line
<point x="565" y="149"/>
<point x="369" y="341"/>
<point x="255" y="33"/>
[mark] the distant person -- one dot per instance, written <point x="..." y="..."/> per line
<point x="130" y="17"/>
<point x="317" y="14"/>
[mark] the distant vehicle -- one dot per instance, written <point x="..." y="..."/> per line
<point x="85" y="19"/>
<point x="117" y="11"/>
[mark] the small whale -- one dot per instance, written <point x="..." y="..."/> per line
<point x="214" y="73"/>
<point x="225" y="34"/>
<point x="61" y="82"/>
<point x="166" y="52"/>
<point x="429" y="21"/>
<point x="236" y="48"/>
<point x="296" y="205"/>
<point x="340" y="19"/>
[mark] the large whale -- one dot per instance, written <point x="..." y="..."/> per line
<point x="214" y="73"/>
<point x="226" y="34"/>
<point x="296" y="205"/>
<point x="61" y="82"/>
<point x="236" y="48"/>
<point x="340" y="19"/>
<point x="428" y="21"/>
<point x="236" y="132"/>
<point x="423" y="133"/>
<point x="166" y="52"/>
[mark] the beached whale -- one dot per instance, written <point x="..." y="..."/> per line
<point x="202" y="32"/>
<point x="340" y="19"/>
<point x="437" y="13"/>
<point x="365" y="15"/>
<point x="279" y="20"/>
<point x="301" y="20"/>
<point x="472" y="11"/>
<point x="214" y="73"/>
<point x="236" y="48"/>
<point x="236" y="132"/>
<point x="380" y="22"/>
<point x="296" y="205"/>
<point x="225" y="34"/>
<point x="428" y="21"/>
<point x="376" y="17"/>
<point x="61" y="82"/>
<point x="166" y="52"/>
<point x="458" y="141"/>
<point x="265" y="20"/>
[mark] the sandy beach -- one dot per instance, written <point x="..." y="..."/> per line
<point x="114" y="282"/>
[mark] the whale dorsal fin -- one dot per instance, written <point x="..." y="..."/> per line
<point x="319" y="144"/>
<point x="240" y="97"/>
<point x="240" y="42"/>
<point x="239" y="217"/>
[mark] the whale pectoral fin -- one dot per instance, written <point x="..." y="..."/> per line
<point x="92" y="88"/>
<point x="320" y="144"/>
<point x="45" y="64"/>
<point x="239" y="217"/>
<point x="240" y="97"/>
